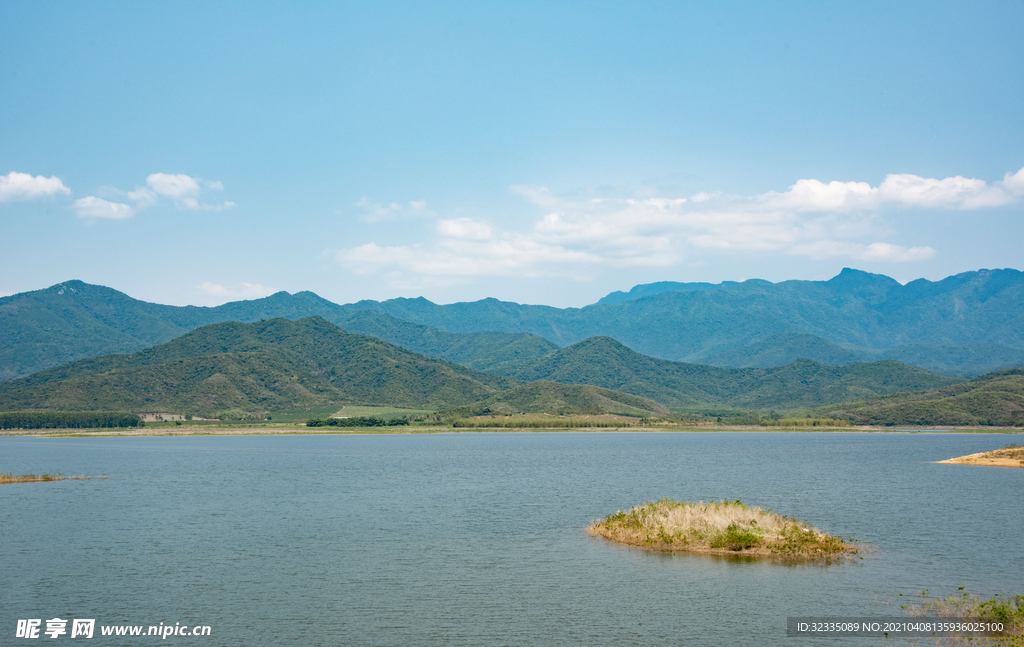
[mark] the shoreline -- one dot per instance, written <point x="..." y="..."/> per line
<point x="1006" y="457"/>
<point x="302" y="430"/>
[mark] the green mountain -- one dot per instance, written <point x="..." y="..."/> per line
<point x="992" y="399"/>
<point x="270" y="365"/>
<point x="959" y="360"/>
<point x="568" y="399"/>
<point x="75" y="320"/>
<point x="781" y="349"/>
<point x="604" y="362"/>
<point x="962" y="360"/>
<point x="854" y="309"/>
<point x="480" y="351"/>
<point x="648" y="289"/>
<point x="962" y="325"/>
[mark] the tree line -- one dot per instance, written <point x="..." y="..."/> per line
<point x="67" y="419"/>
<point x="356" y="422"/>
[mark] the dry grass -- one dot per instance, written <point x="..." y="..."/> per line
<point x="1009" y="456"/>
<point x="30" y="478"/>
<point x="1009" y="611"/>
<point x="725" y="527"/>
<point x="1013" y="452"/>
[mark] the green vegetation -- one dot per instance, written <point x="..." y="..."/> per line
<point x="1007" y="610"/>
<point x="516" y="422"/>
<point x="964" y="325"/>
<point x="804" y="422"/>
<point x="959" y="360"/>
<point x="67" y="419"/>
<point x="993" y="399"/>
<point x="480" y="351"/>
<point x="862" y="310"/>
<point x="604" y="362"/>
<point x="543" y="396"/>
<point x="356" y="422"/>
<point x="29" y="478"/>
<point x="253" y="369"/>
<point x="725" y="527"/>
<point x="784" y="348"/>
<point x="377" y="412"/>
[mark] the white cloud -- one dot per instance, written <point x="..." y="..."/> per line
<point x="245" y="291"/>
<point x="92" y="207"/>
<point x="22" y="186"/>
<point x="902" y="189"/>
<point x="578" y="238"/>
<point x="464" y="228"/>
<point x="378" y="212"/>
<point x="182" y="190"/>
<point x="177" y="187"/>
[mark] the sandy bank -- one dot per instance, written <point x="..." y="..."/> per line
<point x="1012" y="456"/>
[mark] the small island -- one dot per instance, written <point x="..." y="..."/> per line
<point x="723" y="528"/>
<point x="1009" y="456"/>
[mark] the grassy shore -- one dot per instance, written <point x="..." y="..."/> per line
<point x="725" y="528"/>
<point x="1010" y="456"/>
<point x="1007" y="610"/>
<point x="30" y="478"/>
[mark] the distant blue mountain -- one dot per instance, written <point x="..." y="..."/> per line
<point x="963" y="325"/>
<point x="648" y="289"/>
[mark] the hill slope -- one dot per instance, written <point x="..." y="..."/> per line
<point x="568" y="399"/>
<point x="603" y="362"/>
<point x="960" y="360"/>
<point x="272" y="364"/>
<point x="480" y="351"/>
<point x="993" y="399"/>
<point x="962" y="325"/>
<point x="858" y="309"/>
<point x="781" y="349"/>
<point x="76" y="320"/>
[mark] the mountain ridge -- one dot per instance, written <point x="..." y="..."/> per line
<point x="957" y="325"/>
<point x="271" y="364"/>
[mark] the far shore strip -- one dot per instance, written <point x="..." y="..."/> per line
<point x="45" y="478"/>
<point x="1012" y="456"/>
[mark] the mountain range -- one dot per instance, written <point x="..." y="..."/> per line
<point x="280" y="364"/>
<point x="269" y="365"/>
<point x="964" y="325"/>
<point x="993" y="399"/>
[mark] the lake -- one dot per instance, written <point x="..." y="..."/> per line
<point x="478" y="538"/>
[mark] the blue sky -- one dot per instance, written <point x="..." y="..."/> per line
<point x="534" y="152"/>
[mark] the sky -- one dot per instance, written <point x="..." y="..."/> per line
<point x="547" y="153"/>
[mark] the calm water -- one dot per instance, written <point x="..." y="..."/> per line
<point x="477" y="539"/>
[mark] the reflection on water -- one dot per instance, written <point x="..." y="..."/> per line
<point x="477" y="539"/>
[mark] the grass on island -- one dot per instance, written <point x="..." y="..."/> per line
<point x="725" y="527"/>
<point x="1013" y="451"/>
<point x="30" y="478"/>
<point x="1007" y="610"/>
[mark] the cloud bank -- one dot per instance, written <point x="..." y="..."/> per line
<point x="575" y="238"/>
<point x="22" y="186"/>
